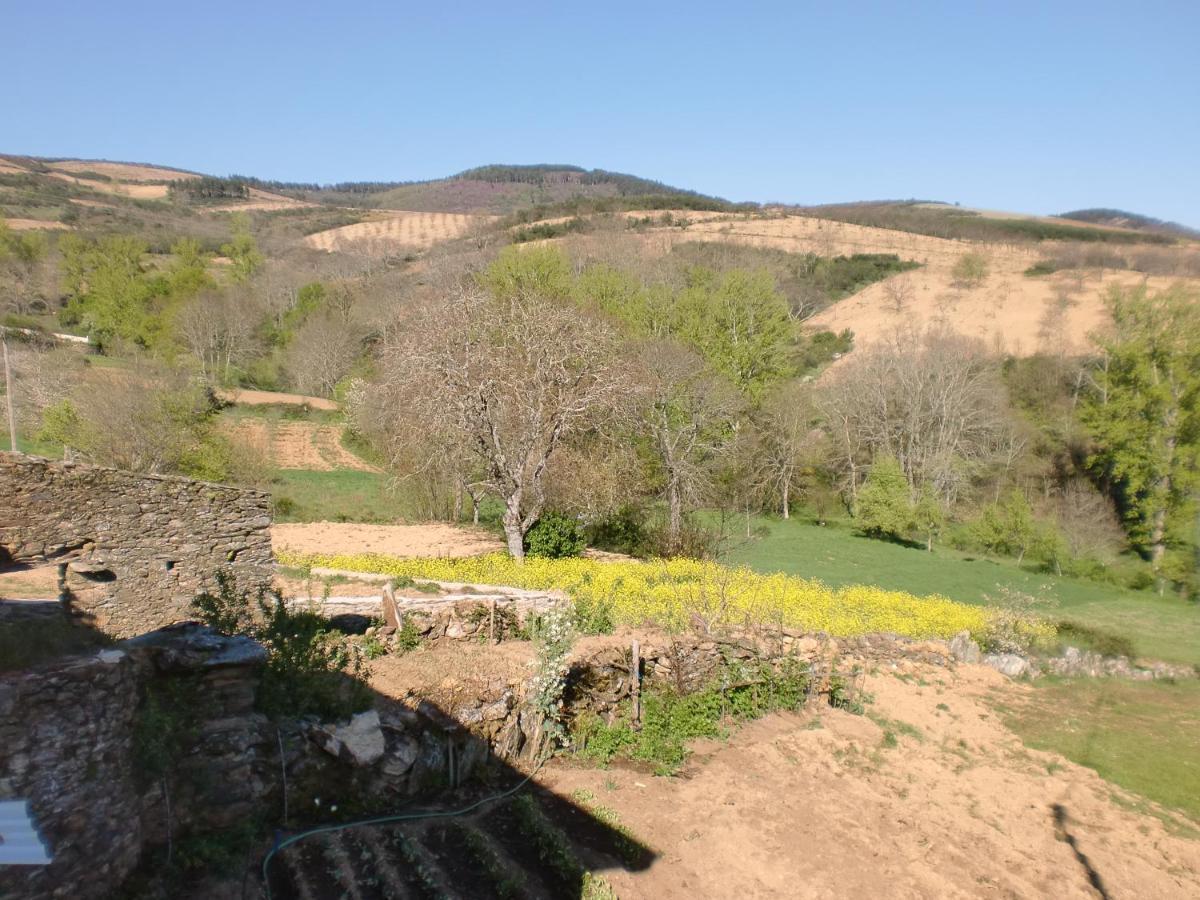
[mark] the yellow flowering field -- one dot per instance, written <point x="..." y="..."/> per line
<point x="669" y="593"/>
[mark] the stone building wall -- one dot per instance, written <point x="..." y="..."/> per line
<point x="133" y="549"/>
<point x="73" y="742"/>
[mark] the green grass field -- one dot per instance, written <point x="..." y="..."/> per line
<point x="1143" y="736"/>
<point x="1160" y="627"/>
<point x="343" y="495"/>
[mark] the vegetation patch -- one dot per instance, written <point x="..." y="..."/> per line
<point x="1143" y="736"/>
<point x="671" y="719"/>
<point x="673" y="593"/>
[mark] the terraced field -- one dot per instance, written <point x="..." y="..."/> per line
<point x="396" y="233"/>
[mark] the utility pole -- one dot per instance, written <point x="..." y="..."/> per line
<point x="8" y="395"/>
<point x="7" y="390"/>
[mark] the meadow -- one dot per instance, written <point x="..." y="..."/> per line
<point x="1164" y="628"/>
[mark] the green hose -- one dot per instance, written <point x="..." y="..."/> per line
<point x="402" y="817"/>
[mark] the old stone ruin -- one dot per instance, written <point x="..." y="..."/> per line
<point x="132" y="550"/>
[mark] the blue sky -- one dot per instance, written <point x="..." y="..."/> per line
<point x="1038" y="107"/>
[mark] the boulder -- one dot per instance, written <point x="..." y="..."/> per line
<point x="359" y="742"/>
<point x="1009" y="664"/>
<point x="964" y="649"/>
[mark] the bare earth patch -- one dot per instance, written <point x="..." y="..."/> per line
<point x="426" y="539"/>
<point x="268" y="398"/>
<point x="932" y="798"/>
<point x="299" y="445"/>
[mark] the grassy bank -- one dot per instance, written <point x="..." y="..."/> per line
<point x="1142" y="736"/>
<point x="1159" y="627"/>
<point x="342" y="495"/>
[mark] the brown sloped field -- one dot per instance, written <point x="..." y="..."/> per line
<point x="934" y="798"/>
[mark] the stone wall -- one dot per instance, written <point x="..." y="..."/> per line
<point x="74" y="737"/>
<point x="133" y="549"/>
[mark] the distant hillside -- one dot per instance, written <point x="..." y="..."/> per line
<point x="1119" y="218"/>
<point x="945" y="221"/>
<point x="500" y="190"/>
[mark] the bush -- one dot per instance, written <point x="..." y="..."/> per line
<point x="311" y="667"/>
<point x="624" y="531"/>
<point x="971" y="269"/>
<point x="555" y="536"/>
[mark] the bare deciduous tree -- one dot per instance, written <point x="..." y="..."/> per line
<point x="512" y="378"/>
<point x="789" y="440"/>
<point x="218" y="329"/>
<point x="932" y="401"/>
<point x="690" y="414"/>
<point x="321" y="354"/>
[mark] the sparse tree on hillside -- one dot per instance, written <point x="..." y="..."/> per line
<point x="1144" y="413"/>
<point x="516" y="374"/>
<point x="899" y="293"/>
<point x="971" y="270"/>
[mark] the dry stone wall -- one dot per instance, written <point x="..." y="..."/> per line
<point x="74" y="733"/>
<point x="133" y="549"/>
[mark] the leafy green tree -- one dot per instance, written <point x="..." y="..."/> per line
<point x="1144" y="415"/>
<point x="928" y="516"/>
<point x="242" y="250"/>
<point x="884" y="507"/>
<point x="1007" y="527"/>
<point x="740" y="324"/>
<point x="534" y="271"/>
<point x="111" y="293"/>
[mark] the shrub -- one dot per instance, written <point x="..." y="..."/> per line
<point x="311" y="668"/>
<point x="624" y="531"/>
<point x="971" y="269"/>
<point x="555" y="536"/>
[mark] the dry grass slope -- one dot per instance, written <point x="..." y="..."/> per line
<point x="398" y="232"/>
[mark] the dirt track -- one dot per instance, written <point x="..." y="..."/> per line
<point x="819" y="806"/>
<point x="426" y="539"/>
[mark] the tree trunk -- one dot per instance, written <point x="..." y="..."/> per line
<point x="786" y="504"/>
<point x="512" y="527"/>
<point x="929" y="542"/>
<point x="675" y="512"/>
<point x="458" y="502"/>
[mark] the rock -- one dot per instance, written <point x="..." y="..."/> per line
<point x="360" y="742"/>
<point x="1009" y="664"/>
<point x="401" y="756"/>
<point x="964" y="649"/>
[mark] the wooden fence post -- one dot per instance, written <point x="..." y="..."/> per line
<point x="635" y="684"/>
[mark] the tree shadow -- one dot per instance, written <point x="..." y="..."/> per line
<point x="1060" y="828"/>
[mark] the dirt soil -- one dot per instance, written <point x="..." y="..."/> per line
<point x="426" y="539"/>
<point x="40" y="583"/>
<point x="823" y="805"/>
<point x="271" y="398"/>
<point x="299" y="445"/>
